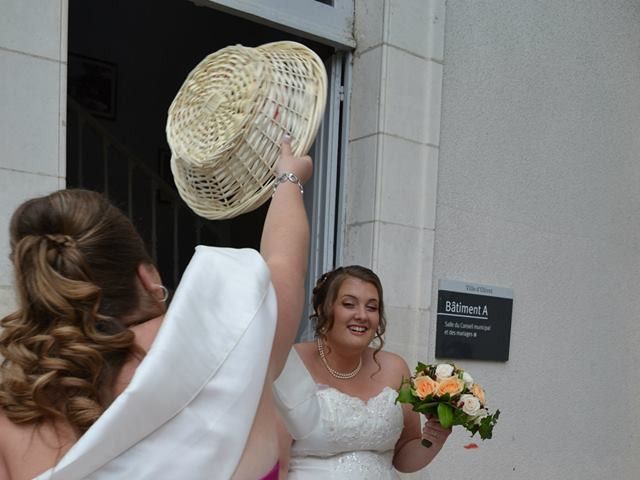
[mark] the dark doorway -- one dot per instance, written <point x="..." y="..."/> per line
<point x="127" y="60"/>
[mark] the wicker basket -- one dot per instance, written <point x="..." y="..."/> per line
<point x="226" y="123"/>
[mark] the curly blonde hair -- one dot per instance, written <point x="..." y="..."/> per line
<point x="75" y="258"/>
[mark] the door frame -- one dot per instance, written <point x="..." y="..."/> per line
<point x="330" y="23"/>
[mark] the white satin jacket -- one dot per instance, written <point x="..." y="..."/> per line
<point x="189" y="408"/>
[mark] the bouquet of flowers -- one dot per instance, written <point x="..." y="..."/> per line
<point x="450" y="394"/>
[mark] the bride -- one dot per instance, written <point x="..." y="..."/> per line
<point x="336" y="395"/>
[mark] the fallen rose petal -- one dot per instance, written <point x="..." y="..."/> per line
<point x="471" y="445"/>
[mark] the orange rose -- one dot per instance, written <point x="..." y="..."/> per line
<point x="452" y="386"/>
<point x="424" y="386"/>
<point x="478" y="392"/>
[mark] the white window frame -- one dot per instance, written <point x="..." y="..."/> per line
<point x="330" y="24"/>
<point x="323" y="203"/>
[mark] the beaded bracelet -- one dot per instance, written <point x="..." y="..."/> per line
<point x="287" y="177"/>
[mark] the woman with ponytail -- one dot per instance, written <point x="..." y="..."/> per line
<point x="91" y="386"/>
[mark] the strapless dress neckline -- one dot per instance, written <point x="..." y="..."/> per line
<point x="337" y="436"/>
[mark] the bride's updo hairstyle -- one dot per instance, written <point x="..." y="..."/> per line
<point x="325" y="294"/>
<point x="75" y="258"/>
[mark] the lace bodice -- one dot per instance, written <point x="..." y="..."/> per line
<point x="337" y="436"/>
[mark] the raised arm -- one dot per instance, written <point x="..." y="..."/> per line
<point x="285" y="248"/>
<point x="4" y="469"/>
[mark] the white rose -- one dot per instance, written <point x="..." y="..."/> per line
<point x="470" y="405"/>
<point x="480" y="415"/>
<point x="467" y="379"/>
<point x="444" y="370"/>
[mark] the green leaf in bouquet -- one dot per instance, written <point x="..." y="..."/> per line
<point x="404" y="393"/>
<point x="421" y="367"/>
<point x="472" y="427"/>
<point x="459" y="417"/>
<point x="445" y="398"/>
<point x="486" y="425"/>
<point x="445" y="415"/>
<point x="426" y="408"/>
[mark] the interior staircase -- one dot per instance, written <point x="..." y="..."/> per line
<point x="97" y="161"/>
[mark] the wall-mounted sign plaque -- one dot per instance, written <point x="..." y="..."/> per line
<point x="474" y="321"/>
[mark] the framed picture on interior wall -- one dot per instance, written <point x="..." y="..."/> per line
<point x="92" y="83"/>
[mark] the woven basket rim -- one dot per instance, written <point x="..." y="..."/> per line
<point x="226" y="178"/>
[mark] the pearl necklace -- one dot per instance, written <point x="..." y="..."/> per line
<point x="334" y="373"/>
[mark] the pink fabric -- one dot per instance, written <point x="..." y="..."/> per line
<point x="273" y="474"/>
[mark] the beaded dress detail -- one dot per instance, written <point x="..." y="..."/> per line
<point x="337" y="436"/>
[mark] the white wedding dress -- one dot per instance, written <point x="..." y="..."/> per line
<point x="336" y="436"/>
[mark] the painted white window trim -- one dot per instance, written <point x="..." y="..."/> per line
<point x="324" y="202"/>
<point x="331" y="24"/>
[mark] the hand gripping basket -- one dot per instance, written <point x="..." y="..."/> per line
<point x="225" y="124"/>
